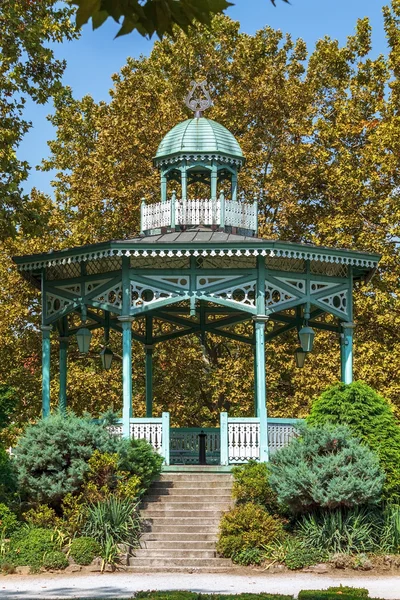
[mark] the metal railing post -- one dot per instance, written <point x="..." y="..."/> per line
<point x="165" y="437"/>
<point x="224" y="438"/>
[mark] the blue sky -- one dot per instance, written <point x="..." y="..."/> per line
<point x="93" y="58"/>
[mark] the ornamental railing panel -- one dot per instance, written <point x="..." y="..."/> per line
<point x="153" y="430"/>
<point x="201" y="211"/>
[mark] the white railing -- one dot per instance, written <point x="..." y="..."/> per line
<point x="219" y="213"/>
<point x="153" y="430"/>
<point x="242" y="437"/>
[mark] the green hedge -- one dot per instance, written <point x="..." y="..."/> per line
<point x="178" y="595"/>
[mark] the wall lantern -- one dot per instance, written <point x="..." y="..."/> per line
<point x="83" y="337"/>
<point x="300" y="357"/>
<point x="106" y="356"/>
<point x="306" y="337"/>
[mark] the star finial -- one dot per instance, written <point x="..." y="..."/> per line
<point x="198" y="103"/>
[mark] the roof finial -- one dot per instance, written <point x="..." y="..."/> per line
<point x="198" y="104"/>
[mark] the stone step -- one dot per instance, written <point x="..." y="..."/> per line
<point x="179" y="562"/>
<point x="199" y="530"/>
<point x="158" y="544"/>
<point x="177" y="505"/>
<point x="195" y="498"/>
<point x="169" y="554"/>
<point x="190" y="490"/>
<point x="206" y="477"/>
<point x="193" y="483"/>
<point x="184" y="513"/>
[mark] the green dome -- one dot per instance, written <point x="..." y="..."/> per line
<point x="199" y="136"/>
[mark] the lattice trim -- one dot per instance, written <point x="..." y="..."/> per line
<point x="56" y="304"/>
<point x="112" y="296"/>
<point x="275" y="295"/>
<point x="206" y="281"/>
<point x="243" y="294"/>
<point x="337" y="301"/>
<point x="296" y="284"/>
<point x="179" y="282"/>
<point x="143" y="295"/>
<point x="320" y="286"/>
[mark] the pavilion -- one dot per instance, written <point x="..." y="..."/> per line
<point x="197" y="267"/>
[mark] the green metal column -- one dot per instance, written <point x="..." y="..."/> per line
<point x="46" y="330"/>
<point x="63" y="355"/>
<point x="261" y="389"/>
<point x="126" y="374"/>
<point x="255" y="375"/>
<point x="346" y="352"/>
<point x="184" y="182"/>
<point x="234" y="187"/>
<point x="163" y="187"/>
<point x="149" y="380"/>
<point x="214" y="179"/>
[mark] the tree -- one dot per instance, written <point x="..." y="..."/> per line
<point x="28" y="69"/>
<point x="152" y="16"/>
<point x="326" y="468"/>
<point x="319" y="132"/>
<point x="371" y="419"/>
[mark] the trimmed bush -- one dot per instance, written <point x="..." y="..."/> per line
<point x="333" y="594"/>
<point x="8" y="521"/>
<point x="251" y="484"/>
<point x="28" y="547"/>
<point x="55" y="560"/>
<point x="53" y="455"/>
<point x="84" y="549"/>
<point x="326" y="468"/>
<point x="371" y="419"/>
<point x="245" y="527"/>
<point x="139" y="459"/>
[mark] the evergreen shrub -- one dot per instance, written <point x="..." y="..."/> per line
<point x="41" y="516"/>
<point x="55" y="560"/>
<point x="84" y="549"/>
<point x="28" y="547"/>
<point x="326" y="467"/>
<point x="249" y="556"/>
<point x="53" y="455"/>
<point x="8" y="521"/>
<point x="139" y="459"/>
<point x="333" y="594"/>
<point x="371" y="419"/>
<point x="247" y="526"/>
<point x="251" y="484"/>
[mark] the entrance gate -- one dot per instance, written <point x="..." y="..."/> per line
<point x="184" y="445"/>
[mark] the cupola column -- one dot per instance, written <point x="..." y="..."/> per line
<point x="163" y="187"/>
<point x="234" y="187"/>
<point x="214" y="180"/>
<point x="184" y="180"/>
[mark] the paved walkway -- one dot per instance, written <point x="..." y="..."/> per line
<point x="124" y="585"/>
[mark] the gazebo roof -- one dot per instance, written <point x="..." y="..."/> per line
<point x="199" y="241"/>
<point x="198" y="136"/>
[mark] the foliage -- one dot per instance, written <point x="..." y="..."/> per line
<point x="249" y="556"/>
<point x="29" y="546"/>
<point x="371" y="419"/>
<point x="344" y="531"/>
<point x="42" y="516"/>
<point x="7" y="476"/>
<point x="84" y="549"/>
<point x="74" y="511"/>
<point x="247" y="526"/>
<point x="55" y="560"/>
<point x="104" y="477"/>
<point x="113" y="519"/>
<point x="139" y="459"/>
<point x="7" y="405"/>
<point x="180" y="595"/>
<point x="292" y="552"/>
<point x="110" y="553"/>
<point x="151" y="16"/>
<point x="325" y="468"/>
<point x="251" y="484"/>
<point x="28" y="70"/>
<point x="53" y="455"/>
<point x="333" y="593"/>
<point x="8" y="521"/>
<point x="390" y="531"/>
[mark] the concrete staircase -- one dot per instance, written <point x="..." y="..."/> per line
<point x="182" y="513"/>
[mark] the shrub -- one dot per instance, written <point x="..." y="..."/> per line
<point x="251" y="484"/>
<point x="104" y="478"/>
<point x="342" y="531"/>
<point x="138" y="458"/>
<point x="325" y="468"/>
<point x="41" y="516"/>
<point x="344" y="593"/>
<point x="55" y="560"/>
<point x="28" y="547"/>
<point x="84" y="549"/>
<point x="247" y="526"/>
<point x="390" y="532"/>
<point x="8" y="480"/>
<point x="250" y="556"/>
<point x="8" y="403"/>
<point x="292" y="552"/>
<point x="53" y="454"/>
<point x="8" y="521"/>
<point x="371" y="419"/>
<point x="113" y="519"/>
